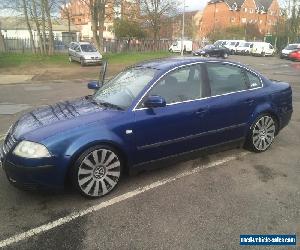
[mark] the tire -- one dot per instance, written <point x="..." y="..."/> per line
<point x="263" y="54"/>
<point x="225" y="56"/>
<point x="262" y="133"/>
<point x="97" y="171"/>
<point x="82" y="62"/>
<point x="206" y="55"/>
<point x="70" y="59"/>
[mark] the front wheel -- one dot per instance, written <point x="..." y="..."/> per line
<point x="82" y="62"/>
<point x="262" y="133"/>
<point x="70" y="59"/>
<point x="97" y="171"/>
<point x="225" y="55"/>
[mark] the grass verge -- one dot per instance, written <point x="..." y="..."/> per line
<point x="11" y="60"/>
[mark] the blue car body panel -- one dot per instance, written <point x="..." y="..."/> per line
<point x="139" y="134"/>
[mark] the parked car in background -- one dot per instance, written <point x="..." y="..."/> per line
<point x="220" y="42"/>
<point x="148" y="112"/>
<point x="85" y="53"/>
<point x="233" y="44"/>
<point x="295" y="55"/>
<point x="289" y="49"/>
<point x="262" y="49"/>
<point x="186" y="45"/>
<point x="244" y="48"/>
<point x="213" y="51"/>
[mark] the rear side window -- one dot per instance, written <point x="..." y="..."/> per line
<point x="225" y="78"/>
<point x="254" y="81"/>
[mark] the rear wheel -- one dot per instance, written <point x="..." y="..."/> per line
<point x="262" y="133"/>
<point x="97" y="171"/>
<point x="263" y="54"/>
<point x="225" y="55"/>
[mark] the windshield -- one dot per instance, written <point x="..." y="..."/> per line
<point x="208" y="47"/>
<point x="125" y="87"/>
<point x="292" y="46"/>
<point x="218" y="43"/>
<point x="244" y="44"/>
<point x="88" y="48"/>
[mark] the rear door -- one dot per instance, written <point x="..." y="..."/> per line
<point x="230" y="104"/>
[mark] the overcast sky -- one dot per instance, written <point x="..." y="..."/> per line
<point x="195" y="4"/>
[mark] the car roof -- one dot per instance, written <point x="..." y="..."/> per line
<point x="169" y="63"/>
<point x="81" y="43"/>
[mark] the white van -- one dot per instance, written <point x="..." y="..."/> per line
<point x="244" y="48"/>
<point x="232" y="45"/>
<point x="187" y="46"/>
<point x="262" y="49"/>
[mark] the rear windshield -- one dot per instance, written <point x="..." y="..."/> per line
<point x="88" y="48"/>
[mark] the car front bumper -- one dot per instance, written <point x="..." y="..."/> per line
<point x="31" y="174"/>
<point x="92" y="61"/>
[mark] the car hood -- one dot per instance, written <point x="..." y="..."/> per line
<point x="91" y="54"/>
<point x="287" y="51"/>
<point x="46" y="116"/>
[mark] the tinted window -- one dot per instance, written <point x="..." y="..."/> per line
<point x="254" y="81"/>
<point x="225" y="78"/>
<point x="180" y="85"/>
<point x="88" y="48"/>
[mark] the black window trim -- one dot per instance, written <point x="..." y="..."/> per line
<point x="137" y="108"/>
<point x="204" y="81"/>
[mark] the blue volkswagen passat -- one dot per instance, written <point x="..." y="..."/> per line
<point x="150" y="111"/>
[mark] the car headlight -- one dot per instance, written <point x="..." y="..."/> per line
<point x="28" y="149"/>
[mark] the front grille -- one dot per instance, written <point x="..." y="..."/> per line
<point x="9" y="142"/>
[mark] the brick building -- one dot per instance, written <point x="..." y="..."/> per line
<point x="221" y="14"/>
<point x="80" y="15"/>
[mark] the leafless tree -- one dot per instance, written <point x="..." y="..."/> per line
<point x="64" y="7"/>
<point x="156" y="12"/>
<point x="26" y="16"/>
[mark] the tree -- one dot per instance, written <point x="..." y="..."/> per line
<point x="64" y="7"/>
<point x="98" y="13"/>
<point x="247" y="32"/>
<point x="128" y="29"/>
<point x="156" y="12"/>
<point x="25" y="13"/>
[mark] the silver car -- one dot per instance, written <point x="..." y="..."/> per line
<point x="85" y="53"/>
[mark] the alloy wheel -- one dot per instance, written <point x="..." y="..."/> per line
<point x="263" y="133"/>
<point x="99" y="172"/>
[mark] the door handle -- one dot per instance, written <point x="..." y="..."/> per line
<point x="201" y="112"/>
<point x="249" y="102"/>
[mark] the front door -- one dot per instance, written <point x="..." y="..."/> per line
<point x="160" y="132"/>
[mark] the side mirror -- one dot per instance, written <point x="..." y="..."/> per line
<point x="155" y="101"/>
<point x="94" y="85"/>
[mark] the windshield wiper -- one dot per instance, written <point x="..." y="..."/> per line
<point x="109" y="105"/>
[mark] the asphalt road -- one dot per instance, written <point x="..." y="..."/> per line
<point x="202" y="203"/>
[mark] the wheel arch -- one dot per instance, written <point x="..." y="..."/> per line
<point x="268" y="111"/>
<point x="112" y="144"/>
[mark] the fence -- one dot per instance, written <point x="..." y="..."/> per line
<point x="23" y="45"/>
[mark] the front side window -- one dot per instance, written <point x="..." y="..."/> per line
<point x="225" y="78"/>
<point x="123" y="89"/>
<point x="180" y="85"/>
